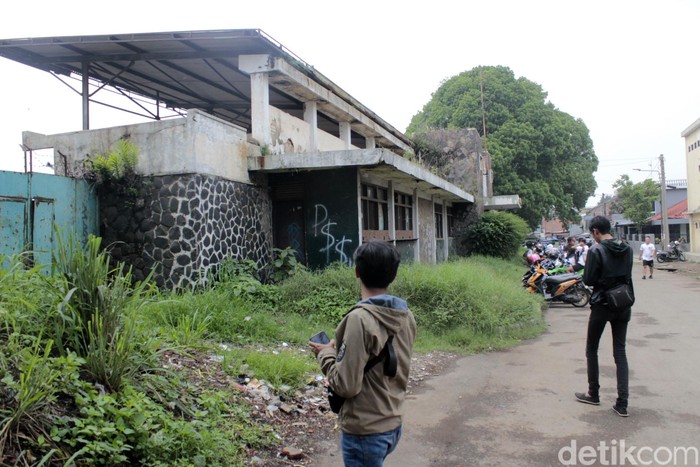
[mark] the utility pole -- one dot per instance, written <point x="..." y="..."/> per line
<point x="665" y="239"/>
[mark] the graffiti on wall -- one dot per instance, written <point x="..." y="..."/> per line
<point x="294" y="236"/>
<point x="324" y="226"/>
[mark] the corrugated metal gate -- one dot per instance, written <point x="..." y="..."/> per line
<point x="30" y="205"/>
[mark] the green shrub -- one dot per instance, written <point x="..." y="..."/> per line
<point x="469" y="293"/>
<point x="326" y="294"/>
<point x="118" y="164"/>
<point x="497" y="234"/>
<point x="284" y="265"/>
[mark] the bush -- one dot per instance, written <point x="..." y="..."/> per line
<point x="467" y="294"/>
<point x="326" y="295"/>
<point x="117" y="165"/>
<point x="497" y="234"/>
<point x="458" y="305"/>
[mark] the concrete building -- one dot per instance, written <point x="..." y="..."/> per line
<point x="692" y="155"/>
<point x="265" y="153"/>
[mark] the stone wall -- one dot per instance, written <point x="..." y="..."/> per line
<point x="459" y="157"/>
<point x="183" y="225"/>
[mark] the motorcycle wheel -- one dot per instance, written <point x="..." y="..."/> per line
<point x="681" y="256"/>
<point x="584" y="296"/>
<point x="660" y="258"/>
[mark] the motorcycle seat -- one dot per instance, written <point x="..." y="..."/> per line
<point x="559" y="278"/>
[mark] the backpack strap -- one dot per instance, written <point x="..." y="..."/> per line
<point x="388" y="354"/>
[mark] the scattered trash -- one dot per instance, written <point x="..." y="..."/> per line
<point x="293" y="453"/>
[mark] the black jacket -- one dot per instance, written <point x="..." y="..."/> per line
<point x="608" y="263"/>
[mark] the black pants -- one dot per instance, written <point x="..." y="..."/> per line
<point x="600" y="316"/>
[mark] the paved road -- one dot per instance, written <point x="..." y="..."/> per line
<point x="517" y="408"/>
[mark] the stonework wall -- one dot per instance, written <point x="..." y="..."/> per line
<point x="460" y="158"/>
<point x="183" y="225"/>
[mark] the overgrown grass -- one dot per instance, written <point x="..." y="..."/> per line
<point x="80" y="379"/>
<point x="279" y="369"/>
<point x="465" y="306"/>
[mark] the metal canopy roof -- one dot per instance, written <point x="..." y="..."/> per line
<point x="181" y="70"/>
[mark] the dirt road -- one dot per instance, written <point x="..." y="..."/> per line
<point x="516" y="407"/>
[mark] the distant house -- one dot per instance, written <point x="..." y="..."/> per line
<point x="676" y="197"/>
<point x="264" y="152"/>
<point x="692" y="155"/>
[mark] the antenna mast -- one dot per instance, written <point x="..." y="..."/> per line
<point x="483" y="112"/>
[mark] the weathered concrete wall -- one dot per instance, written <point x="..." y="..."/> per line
<point x="198" y="143"/>
<point x="291" y="135"/>
<point x="426" y="230"/>
<point x="183" y="225"/>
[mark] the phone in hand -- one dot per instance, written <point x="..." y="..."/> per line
<point x="320" y="338"/>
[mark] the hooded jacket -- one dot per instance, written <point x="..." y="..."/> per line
<point x="374" y="401"/>
<point x="608" y="263"/>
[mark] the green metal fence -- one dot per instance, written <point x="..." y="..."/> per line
<point x="30" y="206"/>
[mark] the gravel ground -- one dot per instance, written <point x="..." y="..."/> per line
<point x="310" y="423"/>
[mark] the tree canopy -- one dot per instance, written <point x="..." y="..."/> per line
<point x="636" y="200"/>
<point x="538" y="152"/>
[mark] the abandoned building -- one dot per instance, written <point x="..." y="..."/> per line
<point x="262" y="152"/>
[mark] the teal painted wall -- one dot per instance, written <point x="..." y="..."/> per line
<point x="30" y="205"/>
<point x="332" y="220"/>
<point x="321" y="208"/>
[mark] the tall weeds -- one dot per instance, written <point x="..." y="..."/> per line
<point x="90" y="319"/>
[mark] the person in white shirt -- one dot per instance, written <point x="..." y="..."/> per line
<point x="583" y="250"/>
<point x="646" y="253"/>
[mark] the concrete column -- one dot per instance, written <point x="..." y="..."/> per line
<point x="311" y="117"/>
<point x="416" y="225"/>
<point x="85" y="94"/>
<point x="345" y="133"/>
<point x="371" y="142"/>
<point x="392" y="213"/>
<point x="359" y="207"/>
<point x="432" y="216"/>
<point x="445" y="234"/>
<point x="260" y="107"/>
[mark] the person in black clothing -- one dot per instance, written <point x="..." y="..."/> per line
<point x="608" y="263"/>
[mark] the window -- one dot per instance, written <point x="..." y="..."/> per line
<point x="374" y="208"/>
<point x="450" y="222"/>
<point x="439" y="233"/>
<point x="403" y="216"/>
<point x="403" y="211"/>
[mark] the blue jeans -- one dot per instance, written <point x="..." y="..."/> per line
<point x="369" y="450"/>
<point x="600" y="316"/>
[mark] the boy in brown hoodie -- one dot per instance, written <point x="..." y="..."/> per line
<point x="370" y="418"/>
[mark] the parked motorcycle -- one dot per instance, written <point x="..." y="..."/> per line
<point x="567" y="288"/>
<point x="672" y="253"/>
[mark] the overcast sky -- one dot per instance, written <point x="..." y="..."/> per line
<point x="628" y="69"/>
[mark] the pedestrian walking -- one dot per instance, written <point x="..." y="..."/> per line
<point x="647" y="251"/>
<point x="608" y="264"/>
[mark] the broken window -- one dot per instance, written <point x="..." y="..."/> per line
<point x="375" y="212"/>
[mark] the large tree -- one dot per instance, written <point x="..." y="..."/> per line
<point x="538" y="152"/>
<point x="636" y="200"/>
